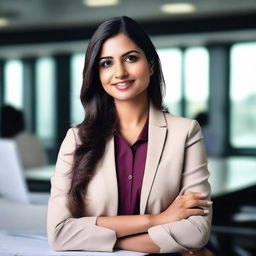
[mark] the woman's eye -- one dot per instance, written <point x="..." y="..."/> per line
<point x="131" y="58"/>
<point x="106" y="64"/>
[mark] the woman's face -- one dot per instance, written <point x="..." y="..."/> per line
<point x="124" y="70"/>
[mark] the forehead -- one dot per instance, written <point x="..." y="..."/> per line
<point x="118" y="45"/>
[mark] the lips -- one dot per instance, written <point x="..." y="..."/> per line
<point x="123" y="85"/>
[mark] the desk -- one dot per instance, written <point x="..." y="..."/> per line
<point x="38" y="179"/>
<point x="20" y="216"/>
<point x="43" y="173"/>
<point x="233" y="182"/>
<point x="231" y="174"/>
<point x="23" y="232"/>
<point x="31" y="244"/>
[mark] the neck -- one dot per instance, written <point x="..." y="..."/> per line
<point x="132" y="114"/>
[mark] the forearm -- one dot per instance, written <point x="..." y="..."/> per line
<point x="139" y="243"/>
<point x="125" y="225"/>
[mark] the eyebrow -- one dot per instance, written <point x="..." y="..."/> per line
<point x="123" y="55"/>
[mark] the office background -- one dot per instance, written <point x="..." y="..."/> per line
<point x="207" y="49"/>
<point x="208" y="57"/>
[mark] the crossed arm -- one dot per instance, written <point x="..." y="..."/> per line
<point x="131" y="230"/>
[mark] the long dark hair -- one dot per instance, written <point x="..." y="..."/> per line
<point x="100" y="115"/>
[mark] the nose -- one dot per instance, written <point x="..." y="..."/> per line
<point x="121" y="71"/>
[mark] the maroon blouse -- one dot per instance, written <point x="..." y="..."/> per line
<point x="130" y="165"/>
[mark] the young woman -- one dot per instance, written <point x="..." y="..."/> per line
<point x="130" y="176"/>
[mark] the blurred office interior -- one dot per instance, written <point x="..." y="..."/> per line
<point x="208" y="54"/>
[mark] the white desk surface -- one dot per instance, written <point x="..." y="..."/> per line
<point x="31" y="244"/>
<point x="20" y="216"/>
<point x="231" y="174"/>
<point x="43" y="173"/>
<point x="23" y="232"/>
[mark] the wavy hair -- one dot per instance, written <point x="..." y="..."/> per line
<point x="101" y="119"/>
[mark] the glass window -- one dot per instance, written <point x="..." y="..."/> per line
<point x="196" y="88"/>
<point x="13" y="91"/>
<point x="243" y="95"/>
<point x="171" y="60"/>
<point x="45" y="100"/>
<point x="77" y="111"/>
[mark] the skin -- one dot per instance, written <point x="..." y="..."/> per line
<point x="121" y="60"/>
<point x="125" y="72"/>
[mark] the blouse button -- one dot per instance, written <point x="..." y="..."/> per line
<point x="129" y="177"/>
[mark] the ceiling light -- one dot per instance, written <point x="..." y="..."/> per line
<point x="3" y="22"/>
<point x="100" y="3"/>
<point x="178" y="8"/>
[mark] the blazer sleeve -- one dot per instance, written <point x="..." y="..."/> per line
<point x="64" y="231"/>
<point x="194" y="231"/>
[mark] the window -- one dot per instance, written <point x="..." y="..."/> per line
<point x="171" y="60"/>
<point x="243" y="96"/>
<point x="77" y="111"/>
<point x="196" y="89"/>
<point x="13" y="93"/>
<point x="45" y="101"/>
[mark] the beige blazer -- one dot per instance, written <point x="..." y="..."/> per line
<point x="176" y="163"/>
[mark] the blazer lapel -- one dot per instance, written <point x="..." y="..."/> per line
<point x="156" y="139"/>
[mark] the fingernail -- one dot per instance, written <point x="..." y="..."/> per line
<point x="204" y="194"/>
<point x="206" y="211"/>
<point x="209" y="202"/>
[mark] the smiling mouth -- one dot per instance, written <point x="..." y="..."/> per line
<point x="122" y="85"/>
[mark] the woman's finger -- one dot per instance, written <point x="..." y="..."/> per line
<point x="197" y="203"/>
<point x="197" y="211"/>
<point x="193" y="195"/>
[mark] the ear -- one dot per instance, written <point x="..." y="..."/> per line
<point x="151" y="68"/>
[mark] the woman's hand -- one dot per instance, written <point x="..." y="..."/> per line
<point x="183" y="207"/>
<point x="197" y="252"/>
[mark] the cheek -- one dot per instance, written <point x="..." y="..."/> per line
<point x="104" y="76"/>
<point x="101" y="76"/>
<point x="144" y="74"/>
<point x="105" y="81"/>
<point x="140" y="71"/>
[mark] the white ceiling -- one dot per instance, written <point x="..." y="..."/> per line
<point x="31" y="14"/>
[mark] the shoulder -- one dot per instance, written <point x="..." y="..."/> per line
<point x="158" y="117"/>
<point x="70" y="142"/>
<point x="187" y="128"/>
<point x="72" y="134"/>
<point x="174" y="121"/>
<point x="67" y="149"/>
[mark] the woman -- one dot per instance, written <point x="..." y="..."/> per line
<point x="130" y="176"/>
